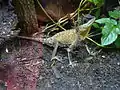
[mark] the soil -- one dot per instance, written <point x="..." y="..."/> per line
<point x="30" y="63"/>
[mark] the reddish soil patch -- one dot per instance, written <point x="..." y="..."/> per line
<point x="24" y="64"/>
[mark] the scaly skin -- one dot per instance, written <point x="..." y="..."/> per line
<point x="68" y="37"/>
<point x="65" y="37"/>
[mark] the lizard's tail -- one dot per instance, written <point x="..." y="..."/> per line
<point x="40" y="40"/>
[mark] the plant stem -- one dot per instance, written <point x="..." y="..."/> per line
<point x="98" y="43"/>
<point x="49" y="16"/>
<point x="94" y="42"/>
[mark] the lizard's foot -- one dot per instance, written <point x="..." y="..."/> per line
<point x="54" y="59"/>
<point x="72" y="63"/>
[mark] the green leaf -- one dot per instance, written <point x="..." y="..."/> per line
<point x="110" y="31"/>
<point x="117" y="30"/>
<point x="106" y="21"/>
<point x="103" y="20"/>
<point x="95" y="25"/>
<point x="109" y="34"/>
<point x="118" y="26"/>
<point x="97" y="2"/>
<point x="97" y="13"/>
<point x="114" y="14"/>
<point x="117" y="42"/>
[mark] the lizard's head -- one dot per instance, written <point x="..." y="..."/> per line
<point x="88" y="24"/>
<point x="85" y="28"/>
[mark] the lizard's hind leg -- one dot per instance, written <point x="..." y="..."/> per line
<point x="70" y="62"/>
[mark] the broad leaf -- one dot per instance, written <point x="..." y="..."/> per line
<point x="114" y="14"/>
<point x="118" y="26"/>
<point x="109" y="35"/>
<point x="106" y="20"/>
<point x="95" y="25"/>
<point x="117" y="42"/>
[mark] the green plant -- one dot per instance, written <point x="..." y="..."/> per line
<point x="110" y="28"/>
<point x="114" y="14"/>
<point x="97" y="7"/>
<point x="97" y="2"/>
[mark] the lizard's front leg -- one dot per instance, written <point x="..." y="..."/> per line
<point x="69" y="50"/>
<point x="72" y="46"/>
<point x="56" y="72"/>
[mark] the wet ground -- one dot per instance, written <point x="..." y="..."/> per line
<point x="98" y="69"/>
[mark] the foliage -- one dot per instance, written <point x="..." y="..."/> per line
<point x="110" y="26"/>
<point x="97" y="2"/>
<point x="97" y="8"/>
<point x="110" y="29"/>
<point x="114" y="14"/>
<point x="117" y="42"/>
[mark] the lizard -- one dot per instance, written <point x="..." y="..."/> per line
<point x="63" y="38"/>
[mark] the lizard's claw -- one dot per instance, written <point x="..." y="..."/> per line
<point x="72" y="64"/>
<point x="55" y="58"/>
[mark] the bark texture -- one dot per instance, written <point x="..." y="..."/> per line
<point x="25" y="10"/>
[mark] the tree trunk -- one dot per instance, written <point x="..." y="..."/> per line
<point x="24" y="77"/>
<point x="25" y="10"/>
